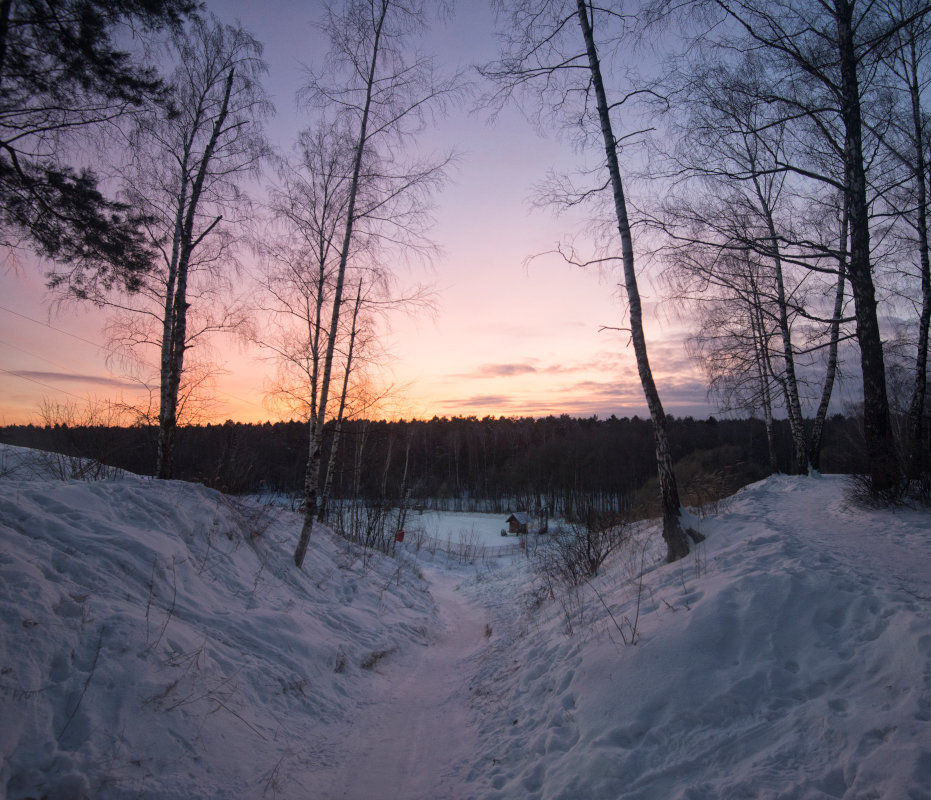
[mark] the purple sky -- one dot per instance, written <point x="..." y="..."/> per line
<point x="508" y="337"/>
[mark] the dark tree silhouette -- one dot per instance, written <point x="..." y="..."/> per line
<point x="825" y="56"/>
<point x="62" y="76"/>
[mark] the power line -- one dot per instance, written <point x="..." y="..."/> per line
<point x="54" y="328"/>
<point x="36" y="355"/>
<point x="40" y="383"/>
<point x="110" y="350"/>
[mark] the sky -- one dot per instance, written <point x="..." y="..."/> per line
<point x="509" y="336"/>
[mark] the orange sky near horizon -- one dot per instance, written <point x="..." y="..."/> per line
<point x="509" y="338"/>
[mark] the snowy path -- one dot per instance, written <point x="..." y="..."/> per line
<point x="878" y="545"/>
<point x="416" y="741"/>
<point x="153" y="644"/>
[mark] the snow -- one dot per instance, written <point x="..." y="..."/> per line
<point x="157" y="641"/>
<point x="479" y="528"/>
<point x="418" y="738"/>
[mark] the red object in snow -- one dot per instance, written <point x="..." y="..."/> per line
<point x="399" y="536"/>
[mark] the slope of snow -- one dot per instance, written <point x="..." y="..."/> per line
<point x="156" y="641"/>
<point x="790" y="659"/>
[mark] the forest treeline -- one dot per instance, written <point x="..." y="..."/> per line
<point x="464" y="463"/>
<point x="768" y="164"/>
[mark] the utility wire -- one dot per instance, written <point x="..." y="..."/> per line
<point x="35" y="355"/>
<point x="93" y="344"/>
<point x="49" y="325"/>
<point x="40" y="383"/>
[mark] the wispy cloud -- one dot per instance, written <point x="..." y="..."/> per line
<point x="583" y="400"/>
<point x="479" y="401"/>
<point x="70" y="377"/>
<point x="500" y="371"/>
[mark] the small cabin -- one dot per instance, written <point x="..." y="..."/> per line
<point x="517" y="523"/>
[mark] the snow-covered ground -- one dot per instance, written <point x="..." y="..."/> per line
<point x="156" y="641"/>
<point x="460" y="526"/>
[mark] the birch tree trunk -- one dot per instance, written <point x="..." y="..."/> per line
<point x="338" y="428"/>
<point x="817" y="430"/>
<point x="916" y="411"/>
<point x="761" y="345"/>
<point x="877" y="424"/>
<point x="172" y="364"/>
<point x="165" y="439"/>
<point x="312" y="475"/>
<point x="405" y="491"/>
<point x="790" y="382"/>
<point x="677" y="543"/>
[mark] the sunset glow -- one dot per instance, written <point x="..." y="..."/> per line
<point x="510" y="337"/>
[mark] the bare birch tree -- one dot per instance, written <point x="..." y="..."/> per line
<point x="186" y="161"/>
<point x="907" y="63"/>
<point x="733" y="332"/>
<point x="731" y="195"/>
<point x="824" y="57"/>
<point x="552" y="51"/>
<point x="381" y="95"/>
<point x="301" y="251"/>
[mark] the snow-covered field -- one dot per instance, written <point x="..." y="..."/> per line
<point x="452" y="526"/>
<point x="156" y="641"/>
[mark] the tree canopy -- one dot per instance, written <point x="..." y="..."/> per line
<point x="68" y="67"/>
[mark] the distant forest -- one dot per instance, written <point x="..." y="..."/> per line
<point x="491" y="464"/>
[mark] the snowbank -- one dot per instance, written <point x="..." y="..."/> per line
<point x="157" y="641"/>
<point x="791" y="658"/>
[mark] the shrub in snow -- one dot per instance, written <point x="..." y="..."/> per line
<point x="574" y="552"/>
